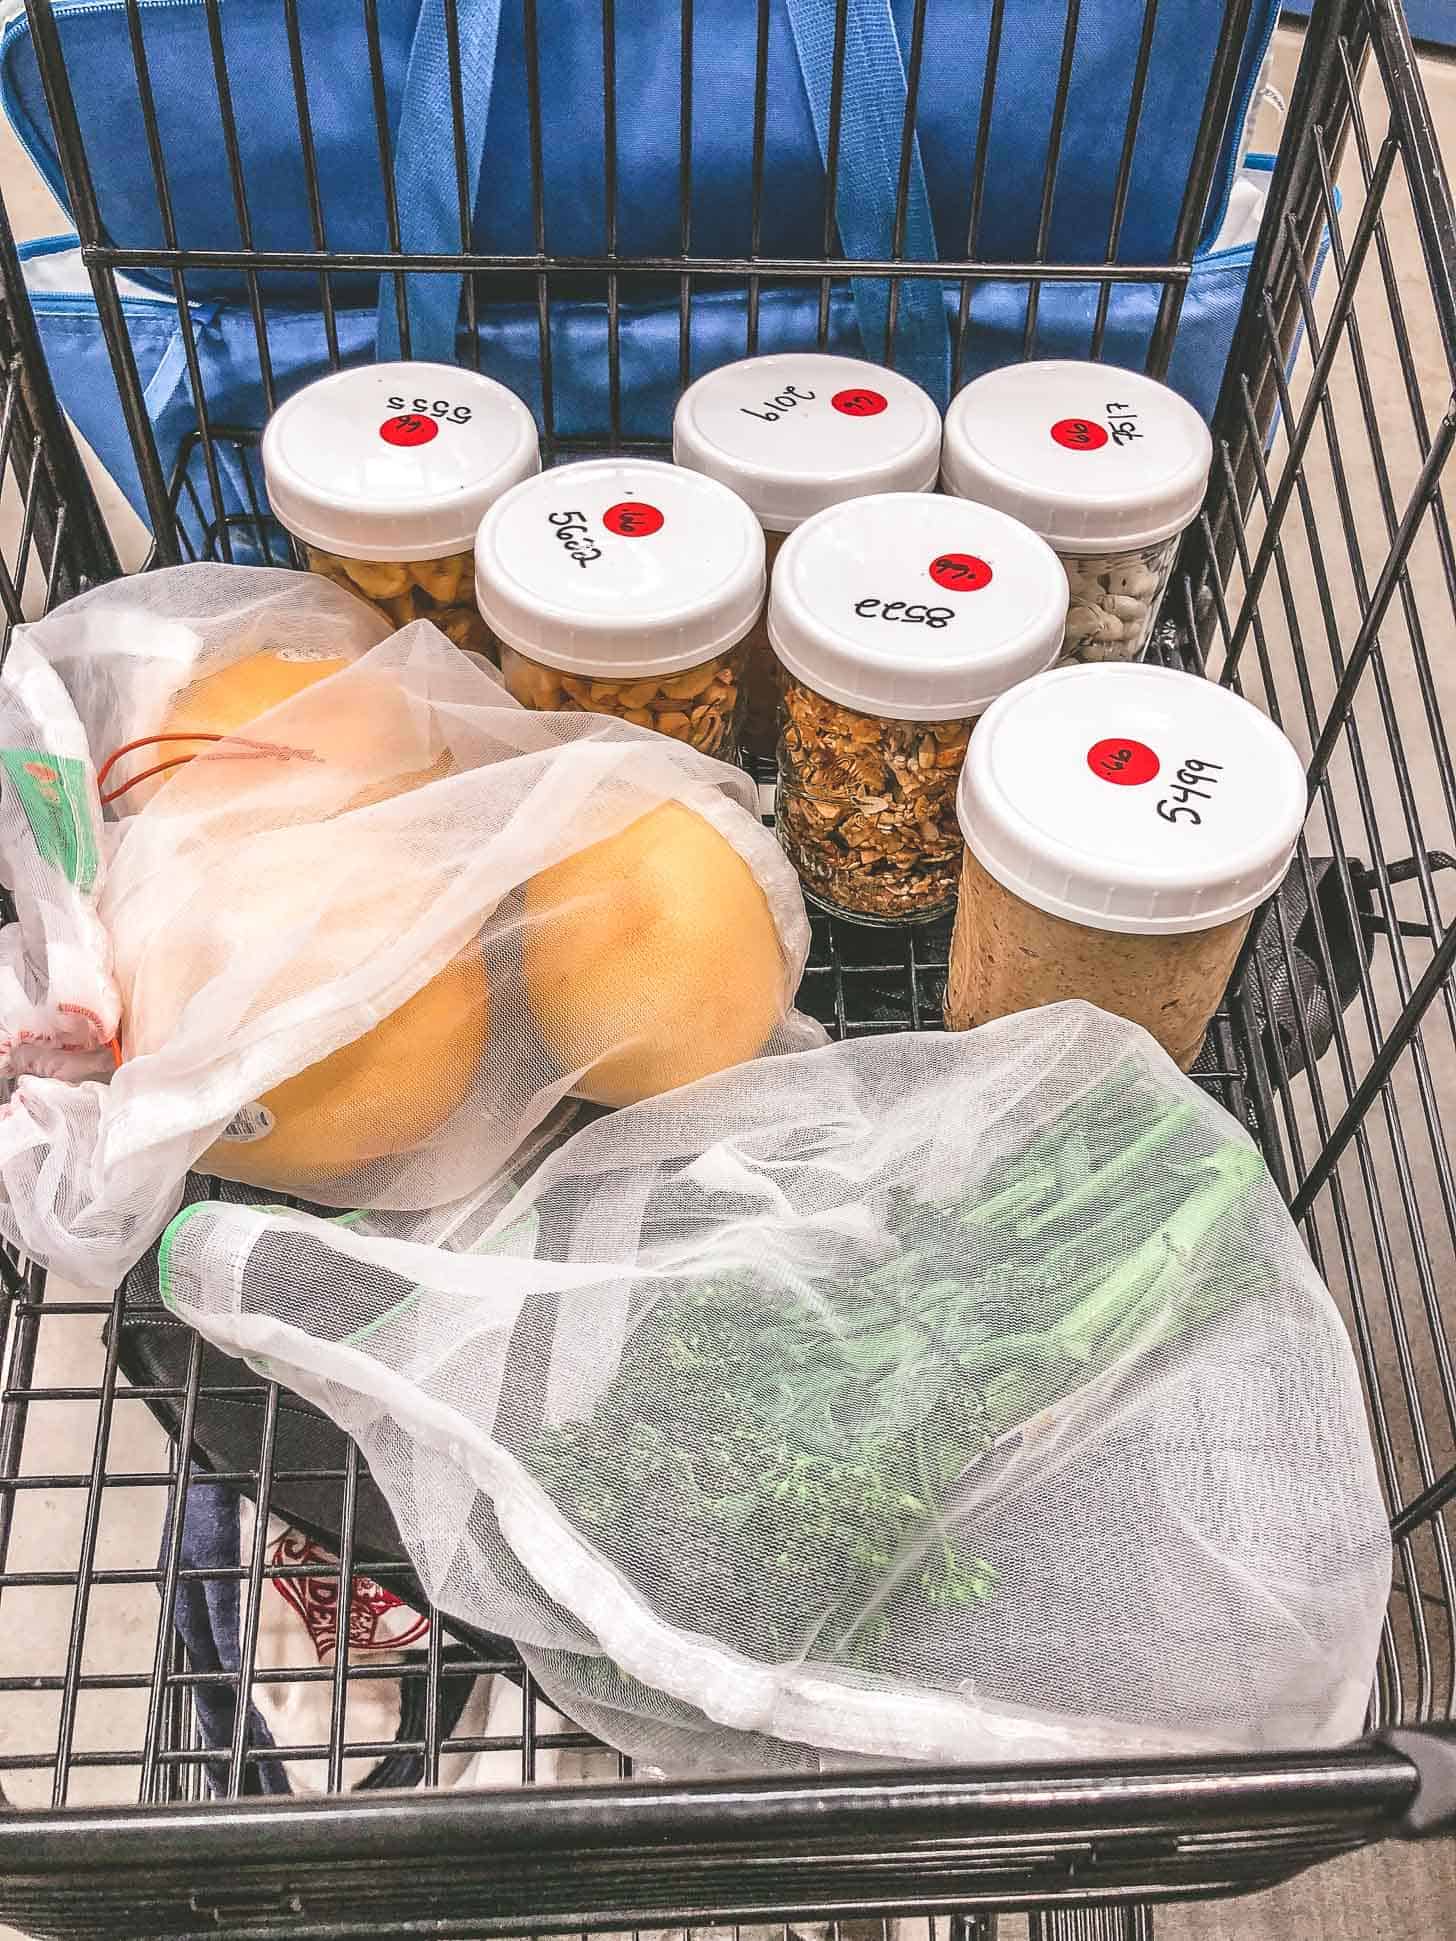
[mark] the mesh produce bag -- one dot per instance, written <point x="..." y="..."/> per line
<point x="946" y="1397"/>
<point x="355" y="946"/>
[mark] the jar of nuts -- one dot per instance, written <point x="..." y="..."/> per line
<point x="382" y="475"/>
<point x="628" y="587"/>
<point x="792" y="434"/>
<point x="897" y="619"/>
<point x="1121" y="826"/>
<point x="1107" y="465"/>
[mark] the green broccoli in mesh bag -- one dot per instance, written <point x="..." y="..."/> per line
<point x="792" y="1461"/>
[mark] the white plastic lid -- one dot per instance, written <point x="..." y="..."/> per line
<point x="1134" y="799"/>
<point x="619" y="566"/>
<point x="396" y="461"/>
<point x="795" y="433"/>
<point x="915" y="607"/>
<point x="1093" y="458"/>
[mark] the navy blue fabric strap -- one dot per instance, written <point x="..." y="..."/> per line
<point x="425" y="176"/>
<point x="867" y="179"/>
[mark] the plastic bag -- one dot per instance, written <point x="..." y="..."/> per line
<point x="943" y="1397"/>
<point x="353" y="947"/>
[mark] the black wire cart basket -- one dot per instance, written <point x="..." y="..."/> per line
<point x="1320" y="579"/>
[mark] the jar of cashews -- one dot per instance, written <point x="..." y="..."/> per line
<point x="382" y="475"/>
<point x="625" y="586"/>
<point x="1107" y="465"/>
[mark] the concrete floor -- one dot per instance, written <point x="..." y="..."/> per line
<point x="1394" y="1894"/>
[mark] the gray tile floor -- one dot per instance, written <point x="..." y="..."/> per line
<point x="1394" y="1894"/>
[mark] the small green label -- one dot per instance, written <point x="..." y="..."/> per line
<point x="54" y="793"/>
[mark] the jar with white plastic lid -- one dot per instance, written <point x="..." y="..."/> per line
<point x="625" y="586"/>
<point x="795" y="433"/>
<point x="1107" y="465"/>
<point x="1121" y="826"/>
<point x="382" y="475"/>
<point x="897" y="619"/>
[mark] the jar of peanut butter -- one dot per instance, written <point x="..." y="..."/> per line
<point x="1121" y="826"/>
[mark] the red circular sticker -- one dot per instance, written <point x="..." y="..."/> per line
<point x="859" y="403"/>
<point x="1122" y="761"/>
<point x="632" y="519"/>
<point x="1079" y="434"/>
<point x="960" y="572"/>
<point x="411" y="429"/>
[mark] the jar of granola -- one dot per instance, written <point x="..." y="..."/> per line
<point x="897" y="619"/>
<point x="1107" y="465"/>
<point x="1121" y="826"/>
<point x="792" y="434"/>
<point x="625" y="586"/>
<point x="382" y="475"/>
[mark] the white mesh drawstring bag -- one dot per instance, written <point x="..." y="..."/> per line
<point x="355" y="946"/>
<point x="943" y="1397"/>
<point x="94" y="676"/>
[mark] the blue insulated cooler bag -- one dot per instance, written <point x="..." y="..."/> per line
<point x="333" y="69"/>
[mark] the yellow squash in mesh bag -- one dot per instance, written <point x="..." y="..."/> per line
<point x="380" y="1095"/>
<point x="363" y="727"/>
<point x="651" y="958"/>
<point x="389" y="1089"/>
<point x="376" y="923"/>
<point x="225" y="702"/>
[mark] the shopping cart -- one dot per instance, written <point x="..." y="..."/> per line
<point x="1322" y="580"/>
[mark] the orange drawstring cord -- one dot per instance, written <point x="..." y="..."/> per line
<point x="246" y="750"/>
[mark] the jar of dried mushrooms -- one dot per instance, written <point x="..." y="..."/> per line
<point x="897" y="619"/>
<point x="793" y="434"/>
<point x="628" y="587"/>
<point x="1107" y="465"/>
<point x="382" y="475"/>
<point x="1121" y="826"/>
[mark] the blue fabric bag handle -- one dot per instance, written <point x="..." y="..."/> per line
<point x="871" y="122"/>
<point x="871" y="132"/>
<point x="425" y="180"/>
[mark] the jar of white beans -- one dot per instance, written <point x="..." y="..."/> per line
<point x="1108" y="466"/>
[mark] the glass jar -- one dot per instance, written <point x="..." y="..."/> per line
<point x="897" y="619"/>
<point x="1113" y="600"/>
<point x="626" y="587"/>
<point x="866" y="807"/>
<point x="1107" y="465"/>
<point x="442" y="590"/>
<point x="792" y="434"/>
<point x="1121" y="826"/>
<point x="382" y="475"/>
<point x="701" y="705"/>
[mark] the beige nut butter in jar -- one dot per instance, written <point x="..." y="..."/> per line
<point x="793" y="434"/>
<point x="625" y="586"/>
<point x="382" y="475"/>
<point x="1107" y="465"/>
<point x="1121" y="825"/>
<point x="897" y="619"/>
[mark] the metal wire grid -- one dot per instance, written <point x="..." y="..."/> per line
<point x="1356" y="1138"/>
<point x="52" y="539"/>
<point x="612" y="272"/>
